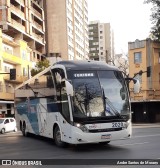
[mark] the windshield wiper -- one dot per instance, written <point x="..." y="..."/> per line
<point x="108" y="102"/>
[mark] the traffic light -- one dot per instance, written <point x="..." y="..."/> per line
<point x="12" y="74"/>
<point x="149" y="71"/>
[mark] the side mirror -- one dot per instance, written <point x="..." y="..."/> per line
<point x="69" y="88"/>
<point x="136" y="87"/>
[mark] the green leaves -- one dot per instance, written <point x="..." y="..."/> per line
<point x="40" y="66"/>
<point x="155" y="18"/>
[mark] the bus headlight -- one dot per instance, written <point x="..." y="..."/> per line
<point x="126" y="124"/>
<point x="82" y="127"/>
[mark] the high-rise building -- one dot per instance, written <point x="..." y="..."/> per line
<point x="67" y="29"/>
<point x="144" y="57"/>
<point x="22" y="43"/>
<point x="101" y="41"/>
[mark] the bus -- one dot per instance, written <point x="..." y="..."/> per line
<point x="75" y="102"/>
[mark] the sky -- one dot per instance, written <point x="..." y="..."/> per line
<point x="129" y="19"/>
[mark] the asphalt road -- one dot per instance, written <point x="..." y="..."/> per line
<point x="144" y="144"/>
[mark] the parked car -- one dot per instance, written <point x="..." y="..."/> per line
<point x="7" y="125"/>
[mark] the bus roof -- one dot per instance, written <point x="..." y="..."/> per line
<point x="87" y="65"/>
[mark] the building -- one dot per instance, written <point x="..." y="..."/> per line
<point x="144" y="56"/>
<point x="101" y="42"/>
<point x="22" y="42"/>
<point x="67" y="29"/>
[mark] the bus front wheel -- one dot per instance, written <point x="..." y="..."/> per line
<point x="57" y="137"/>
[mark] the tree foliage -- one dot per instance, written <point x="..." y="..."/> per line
<point x="122" y="63"/>
<point x="155" y="18"/>
<point x="40" y="66"/>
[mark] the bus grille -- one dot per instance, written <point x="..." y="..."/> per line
<point x="105" y="130"/>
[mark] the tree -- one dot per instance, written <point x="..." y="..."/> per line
<point x="40" y="66"/>
<point x="121" y="61"/>
<point x="155" y="18"/>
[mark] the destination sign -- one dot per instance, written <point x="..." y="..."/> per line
<point x="79" y="75"/>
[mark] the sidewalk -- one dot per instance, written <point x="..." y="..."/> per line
<point x="140" y="125"/>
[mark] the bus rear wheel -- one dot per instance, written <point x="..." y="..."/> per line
<point x="24" y="132"/>
<point x="57" y="137"/>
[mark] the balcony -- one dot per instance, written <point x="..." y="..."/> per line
<point x="38" y="26"/>
<point x="36" y="12"/>
<point x="11" y="58"/>
<point x="9" y="40"/>
<point x="19" y="79"/>
<point x="17" y="25"/>
<point x="17" y="11"/>
<point x="38" y="37"/>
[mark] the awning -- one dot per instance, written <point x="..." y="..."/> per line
<point x="6" y="102"/>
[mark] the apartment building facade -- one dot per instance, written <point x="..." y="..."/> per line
<point x="101" y="42"/>
<point x="67" y="29"/>
<point x="22" y="43"/>
<point x="144" y="56"/>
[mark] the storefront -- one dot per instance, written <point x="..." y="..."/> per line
<point x="146" y="111"/>
<point x="6" y="108"/>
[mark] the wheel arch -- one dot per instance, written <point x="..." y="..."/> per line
<point x="54" y="126"/>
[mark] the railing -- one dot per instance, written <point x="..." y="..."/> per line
<point x="37" y="36"/>
<point x="36" y="12"/>
<point x="37" y="25"/>
<point x="17" y="25"/>
<point x="16" y="10"/>
<point x="19" y="79"/>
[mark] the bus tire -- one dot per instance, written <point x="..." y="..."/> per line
<point x="104" y="143"/>
<point x="24" y="132"/>
<point x="57" y="137"/>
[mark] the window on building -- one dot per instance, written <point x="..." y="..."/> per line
<point x="101" y="32"/>
<point x="101" y="48"/>
<point x="101" y="37"/>
<point x="24" y="72"/>
<point x="137" y="57"/>
<point x="159" y="58"/>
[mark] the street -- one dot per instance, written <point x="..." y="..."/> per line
<point x="144" y="144"/>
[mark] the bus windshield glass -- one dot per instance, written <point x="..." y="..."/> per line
<point x="99" y="94"/>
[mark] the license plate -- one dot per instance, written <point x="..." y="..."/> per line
<point x="117" y="125"/>
<point x="107" y="136"/>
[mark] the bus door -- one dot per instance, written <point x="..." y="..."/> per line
<point x="63" y="104"/>
<point x="32" y="115"/>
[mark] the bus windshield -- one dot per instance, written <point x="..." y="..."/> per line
<point x="99" y="94"/>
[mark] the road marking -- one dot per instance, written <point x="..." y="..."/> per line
<point x="134" y="144"/>
<point x="143" y="136"/>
